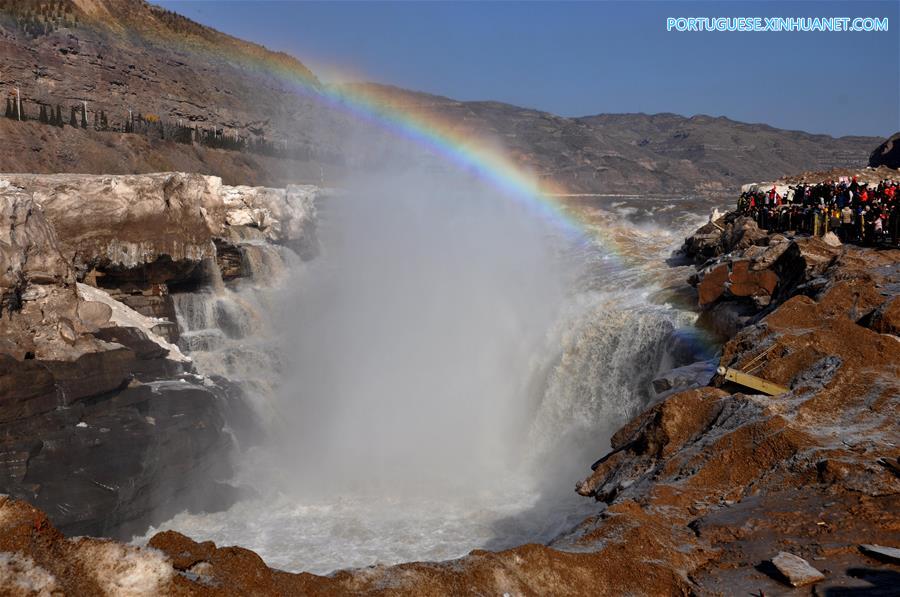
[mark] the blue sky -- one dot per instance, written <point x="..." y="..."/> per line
<point x="580" y="58"/>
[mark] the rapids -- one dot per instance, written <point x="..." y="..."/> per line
<point x="442" y="374"/>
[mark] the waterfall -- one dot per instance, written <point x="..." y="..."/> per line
<point x="227" y="327"/>
<point x="436" y="380"/>
<point x="609" y="349"/>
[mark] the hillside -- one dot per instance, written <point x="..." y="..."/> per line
<point x="125" y="65"/>
<point x="140" y="66"/>
<point x="121" y="55"/>
<point x="661" y="153"/>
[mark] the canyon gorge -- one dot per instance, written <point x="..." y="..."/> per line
<point x="265" y="334"/>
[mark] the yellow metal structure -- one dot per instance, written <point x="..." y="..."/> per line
<point x="751" y="381"/>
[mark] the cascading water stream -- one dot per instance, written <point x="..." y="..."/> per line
<point x="436" y="381"/>
<point x="227" y="329"/>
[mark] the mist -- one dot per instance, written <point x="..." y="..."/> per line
<point x="436" y="379"/>
<point x="412" y="339"/>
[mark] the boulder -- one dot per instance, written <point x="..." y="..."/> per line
<point x="736" y="279"/>
<point x="796" y="570"/>
<point x="757" y="285"/>
<point x="804" y="260"/>
<point x="765" y="257"/>
<point x="725" y="235"/>
<point x="94" y="314"/>
<point x="713" y="285"/>
<point x="887" y="154"/>
<point x="704" y="243"/>
<point x="727" y="318"/>
<point x="742" y="233"/>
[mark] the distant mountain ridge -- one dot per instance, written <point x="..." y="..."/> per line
<point x="659" y="153"/>
<point x="121" y="55"/>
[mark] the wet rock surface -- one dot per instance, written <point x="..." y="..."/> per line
<point x="104" y="423"/>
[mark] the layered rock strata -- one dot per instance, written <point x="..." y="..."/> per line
<point x="104" y="422"/>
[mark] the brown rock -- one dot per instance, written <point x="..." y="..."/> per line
<point x="741" y="234"/>
<point x="712" y="285"/>
<point x="182" y="550"/>
<point x="736" y="279"/>
<point x="757" y="284"/>
<point x="767" y="257"/>
<point x="886" y="319"/>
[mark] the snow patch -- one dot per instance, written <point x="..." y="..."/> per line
<point x="281" y="213"/>
<point x="19" y="575"/>
<point x="125" y="316"/>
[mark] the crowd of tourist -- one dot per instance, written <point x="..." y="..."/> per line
<point x="856" y="212"/>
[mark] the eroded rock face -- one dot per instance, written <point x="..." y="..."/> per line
<point x="128" y="221"/>
<point x="754" y="270"/>
<point x="161" y="221"/>
<point x="104" y="422"/>
<point x="78" y="385"/>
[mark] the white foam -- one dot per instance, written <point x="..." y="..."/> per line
<point x="358" y="530"/>
<point x="125" y="570"/>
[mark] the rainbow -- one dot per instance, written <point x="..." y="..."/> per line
<point x="470" y="154"/>
<point x="429" y="131"/>
<point x="466" y="152"/>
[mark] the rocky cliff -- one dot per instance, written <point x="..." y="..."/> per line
<point x="104" y="421"/>
<point x="127" y="59"/>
